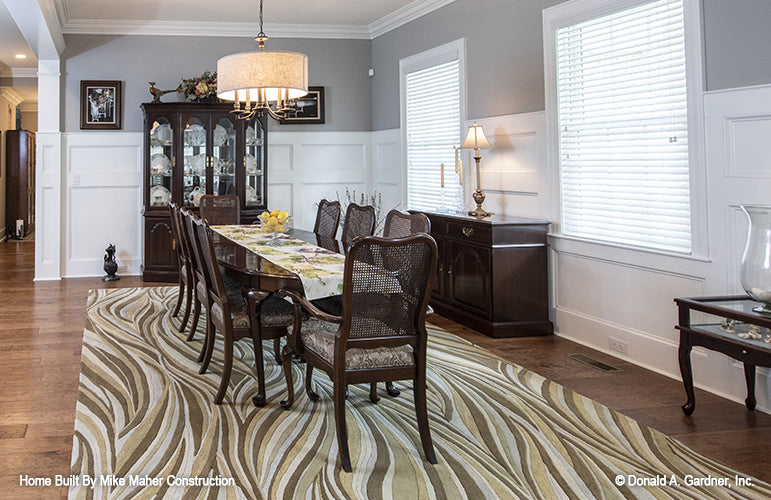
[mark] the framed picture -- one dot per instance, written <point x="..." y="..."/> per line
<point x="307" y="109"/>
<point x="101" y="104"/>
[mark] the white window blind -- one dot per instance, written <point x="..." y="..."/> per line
<point x="623" y="137"/>
<point x="433" y="123"/>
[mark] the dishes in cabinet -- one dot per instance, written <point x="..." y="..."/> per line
<point x="160" y="164"/>
<point x="161" y="134"/>
<point x="251" y="196"/>
<point x="220" y="135"/>
<point x="195" y="135"/>
<point x="159" y="196"/>
<point x="251" y="164"/>
<point x="250" y="135"/>
<point x="195" y="195"/>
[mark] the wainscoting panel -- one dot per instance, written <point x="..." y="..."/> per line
<point x="104" y="202"/>
<point x="514" y="172"/>
<point x="310" y="166"/>
<point x="387" y="172"/>
<point x="48" y="205"/>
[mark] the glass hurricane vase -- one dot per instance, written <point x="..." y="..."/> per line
<point x="756" y="260"/>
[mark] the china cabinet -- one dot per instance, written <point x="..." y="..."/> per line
<point x="492" y="273"/>
<point x="193" y="149"/>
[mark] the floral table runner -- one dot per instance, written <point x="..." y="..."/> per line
<point x="320" y="270"/>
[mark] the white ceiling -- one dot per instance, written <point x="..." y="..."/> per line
<point x="283" y="18"/>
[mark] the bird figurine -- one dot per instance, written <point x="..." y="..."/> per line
<point x="158" y="93"/>
<point x="110" y="266"/>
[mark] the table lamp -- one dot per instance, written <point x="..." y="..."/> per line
<point x="476" y="140"/>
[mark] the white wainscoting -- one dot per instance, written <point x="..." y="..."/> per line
<point x="602" y="291"/>
<point x="48" y="205"/>
<point x="103" y="200"/>
<point x="387" y="171"/>
<point x="304" y="167"/>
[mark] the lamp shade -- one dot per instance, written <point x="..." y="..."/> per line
<point x="267" y="70"/>
<point x="475" y="139"/>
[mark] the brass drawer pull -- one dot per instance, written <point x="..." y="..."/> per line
<point x="467" y="232"/>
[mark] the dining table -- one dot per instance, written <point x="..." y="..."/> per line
<point x="263" y="262"/>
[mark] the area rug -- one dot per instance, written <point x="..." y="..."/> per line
<point x="146" y="427"/>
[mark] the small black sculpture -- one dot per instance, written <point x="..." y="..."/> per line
<point x="110" y="266"/>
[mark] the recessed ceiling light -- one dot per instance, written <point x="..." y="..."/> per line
<point x="21" y="56"/>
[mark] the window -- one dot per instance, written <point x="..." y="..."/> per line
<point x="432" y="114"/>
<point x="620" y="121"/>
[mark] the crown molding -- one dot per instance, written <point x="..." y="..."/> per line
<point x="409" y="12"/>
<point x="11" y="96"/>
<point x="400" y="17"/>
<point x="28" y="107"/>
<point x="198" y="28"/>
<point x="53" y="11"/>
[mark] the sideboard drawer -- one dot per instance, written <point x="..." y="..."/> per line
<point x="467" y="231"/>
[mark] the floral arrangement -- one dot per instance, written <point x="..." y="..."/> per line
<point x="202" y="87"/>
<point x="375" y="199"/>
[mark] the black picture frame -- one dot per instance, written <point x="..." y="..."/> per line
<point x="101" y="104"/>
<point x="307" y="109"/>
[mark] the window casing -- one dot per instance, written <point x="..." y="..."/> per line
<point x="618" y="109"/>
<point x="432" y="110"/>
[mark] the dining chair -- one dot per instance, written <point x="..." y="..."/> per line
<point x="359" y="221"/>
<point x="398" y="225"/>
<point x="220" y="210"/>
<point x="381" y="333"/>
<point x="186" y="280"/>
<point x="200" y="296"/>
<point x="256" y="314"/>
<point x="327" y="219"/>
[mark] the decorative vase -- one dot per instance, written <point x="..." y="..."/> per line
<point x="756" y="260"/>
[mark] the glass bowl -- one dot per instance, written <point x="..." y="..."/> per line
<point x="276" y="224"/>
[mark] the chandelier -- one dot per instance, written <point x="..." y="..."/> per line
<point x="263" y="81"/>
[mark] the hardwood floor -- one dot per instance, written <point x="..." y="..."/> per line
<point x="41" y="329"/>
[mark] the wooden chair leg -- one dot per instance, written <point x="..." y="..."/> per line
<point x="188" y="303"/>
<point x="196" y="315"/>
<point x="287" y="363"/>
<point x="227" y="367"/>
<point x="259" y="399"/>
<point x="308" y="385"/>
<point x="421" y="411"/>
<point x="277" y="349"/>
<point x="342" y="431"/>
<point x="392" y="390"/>
<point x="180" y="295"/>
<point x="373" y="392"/>
<point x="208" y="347"/>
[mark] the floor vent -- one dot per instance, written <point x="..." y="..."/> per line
<point x="593" y="362"/>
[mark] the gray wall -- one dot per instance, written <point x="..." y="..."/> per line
<point x="504" y="52"/>
<point x="339" y="65"/>
<point x="737" y="43"/>
<point x="504" y="56"/>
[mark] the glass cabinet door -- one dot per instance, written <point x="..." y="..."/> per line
<point x="161" y="158"/>
<point x="224" y="157"/>
<point x="254" y="161"/>
<point x="195" y="162"/>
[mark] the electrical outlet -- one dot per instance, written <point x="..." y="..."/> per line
<point x="618" y="345"/>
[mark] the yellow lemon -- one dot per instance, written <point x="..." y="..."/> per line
<point x="265" y="214"/>
<point x="280" y="228"/>
<point x="283" y="214"/>
<point x="274" y="213"/>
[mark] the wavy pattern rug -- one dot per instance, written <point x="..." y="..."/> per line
<point x="145" y="417"/>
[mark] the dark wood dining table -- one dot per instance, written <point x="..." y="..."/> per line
<point x="254" y="272"/>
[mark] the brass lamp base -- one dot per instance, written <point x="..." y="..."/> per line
<point x="479" y="198"/>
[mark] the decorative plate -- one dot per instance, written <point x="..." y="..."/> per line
<point x="159" y="196"/>
<point x="251" y="164"/>
<point x="160" y="164"/>
<point x="161" y="135"/>
<point x="251" y="196"/>
<point x="220" y="135"/>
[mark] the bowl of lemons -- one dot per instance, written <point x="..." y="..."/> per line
<point x="276" y="221"/>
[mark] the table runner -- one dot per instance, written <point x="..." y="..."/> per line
<point x="319" y="269"/>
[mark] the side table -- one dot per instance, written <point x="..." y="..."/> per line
<point x="725" y="327"/>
